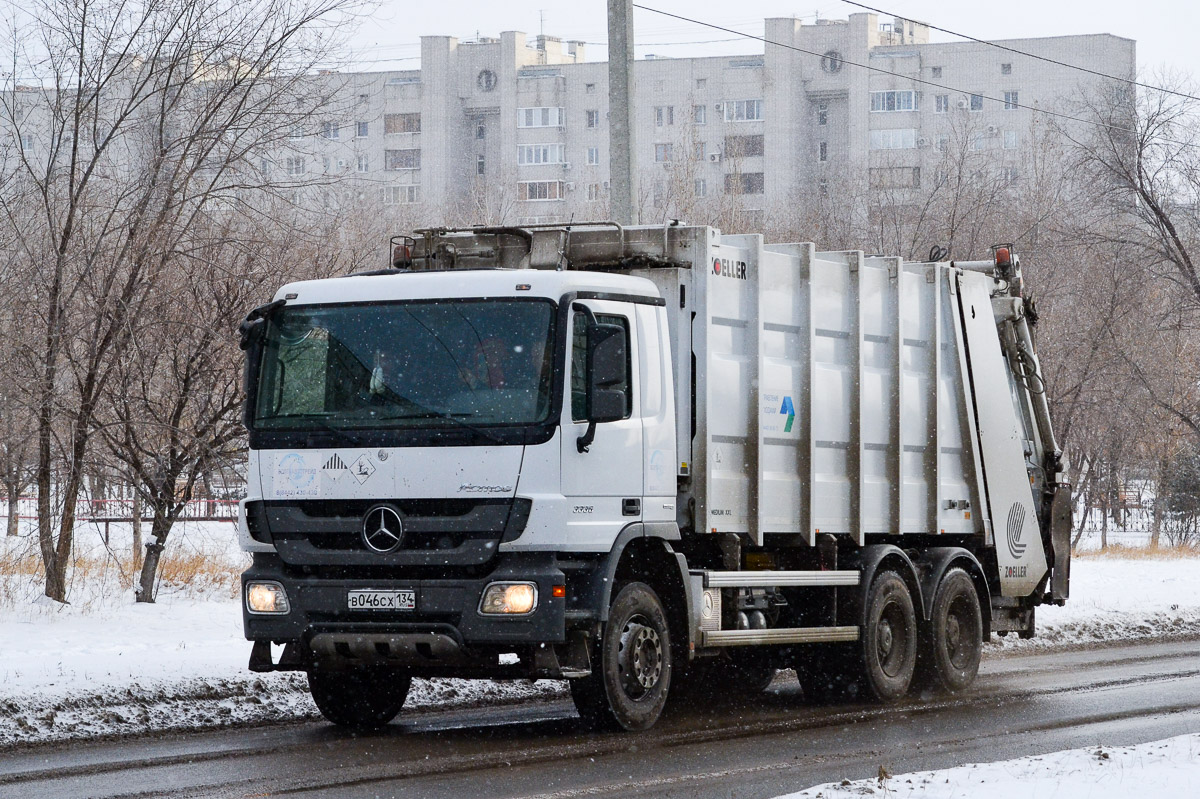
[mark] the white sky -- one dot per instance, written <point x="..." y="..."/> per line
<point x="389" y="38"/>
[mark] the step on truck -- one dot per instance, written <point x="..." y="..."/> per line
<point x="642" y="459"/>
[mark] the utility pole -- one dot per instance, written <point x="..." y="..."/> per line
<point x="622" y="175"/>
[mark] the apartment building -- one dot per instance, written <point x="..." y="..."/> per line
<point x="516" y="128"/>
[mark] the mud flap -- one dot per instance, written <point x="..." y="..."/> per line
<point x="1060" y="540"/>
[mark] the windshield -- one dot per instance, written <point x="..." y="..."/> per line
<point x="421" y="363"/>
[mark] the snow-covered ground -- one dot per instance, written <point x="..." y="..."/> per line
<point x="105" y="665"/>
<point x="1169" y="768"/>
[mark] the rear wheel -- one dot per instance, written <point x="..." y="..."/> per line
<point x="952" y="642"/>
<point x="631" y="670"/>
<point x="360" y="699"/>
<point x="889" y="638"/>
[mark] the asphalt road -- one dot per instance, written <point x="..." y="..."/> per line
<point x="730" y="747"/>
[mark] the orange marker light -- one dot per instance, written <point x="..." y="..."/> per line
<point x="559" y="591"/>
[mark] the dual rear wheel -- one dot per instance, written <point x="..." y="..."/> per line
<point x="896" y="650"/>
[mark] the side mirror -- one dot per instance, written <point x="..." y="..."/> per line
<point x="606" y="368"/>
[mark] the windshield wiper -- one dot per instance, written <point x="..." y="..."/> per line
<point x="320" y="421"/>
<point x="425" y="412"/>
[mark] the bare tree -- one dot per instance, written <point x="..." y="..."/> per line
<point x="141" y="117"/>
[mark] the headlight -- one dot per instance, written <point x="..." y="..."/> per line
<point x="266" y="598"/>
<point x="508" y="598"/>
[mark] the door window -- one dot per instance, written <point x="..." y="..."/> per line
<point x="579" y="364"/>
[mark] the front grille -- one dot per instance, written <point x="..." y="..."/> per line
<point x="458" y="532"/>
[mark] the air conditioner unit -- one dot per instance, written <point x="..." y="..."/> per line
<point x="605" y="184"/>
<point x="569" y="185"/>
<point x="962" y="103"/>
<point x="922" y="142"/>
<point x="341" y="163"/>
<point x="714" y="157"/>
<point x="566" y="165"/>
<point x="720" y="107"/>
<point x="992" y="130"/>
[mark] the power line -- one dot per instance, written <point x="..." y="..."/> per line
<point x="1007" y="103"/>
<point x="1047" y="59"/>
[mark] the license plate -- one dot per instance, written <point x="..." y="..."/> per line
<point x="382" y="600"/>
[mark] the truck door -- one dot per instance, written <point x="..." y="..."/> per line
<point x="603" y="486"/>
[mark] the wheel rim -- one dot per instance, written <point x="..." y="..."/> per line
<point x="640" y="657"/>
<point x="891" y="639"/>
<point x="958" y="640"/>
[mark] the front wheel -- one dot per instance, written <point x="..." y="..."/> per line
<point x="362" y="699"/>
<point x="631" y="671"/>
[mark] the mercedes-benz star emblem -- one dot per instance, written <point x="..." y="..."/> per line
<point x="382" y="530"/>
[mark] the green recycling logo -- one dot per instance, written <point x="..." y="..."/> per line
<point x="790" y="411"/>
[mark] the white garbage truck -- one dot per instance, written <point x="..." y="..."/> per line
<point x="643" y="458"/>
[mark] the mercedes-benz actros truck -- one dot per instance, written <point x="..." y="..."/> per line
<point x="639" y="457"/>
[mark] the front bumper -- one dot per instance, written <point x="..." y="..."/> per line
<point x="445" y="628"/>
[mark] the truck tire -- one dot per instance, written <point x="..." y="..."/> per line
<point x="363" y="699"/>
<point x="889" y="639"/>
<point x="631" y="669"/>
<point x="952" y="641"/>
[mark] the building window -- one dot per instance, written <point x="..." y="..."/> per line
<point x="296" y="132"/>
<point x="590" y="88"/>
<point x="743" y="146"/>
<point x="593" y="156"/>
<point x="823" y="187"/>
<point x="401" y="123"/>
<point x="743" y="110"/>
<point x="823" y="152"/>
<point x="264" y="166"/>
<point x="26" y="141"/>
<point x="942" y="144"/>
<point x="541" y="117"/>
<point x="893" y="139"/>
<point x="1008" y="174"/>
<point x="701" y="187"/>
<point x="364" y="164"/>
<point x="701" y="83"/>
<point x="593" y="192"/>
<point x="362" y="98"/>
<point x="593" y="119"/>
<point x="401" y="195"/>
<point x="976" y="102"/>
<point x="362" y="129"/>
<point x="901" y="177"/>
<point x="894" y="101"/>
<point x="294" y="166"/>
<point x="481" y="131"/>
<point x="531" y="154"/>
<point x="977" y="142"/>
<point x="480" y="165"/>
<point x="1006" y="69"/>
<point x="700" y="114"/>
<point x="662" y="153"/>
<point x="935" y="72"/>
<point x="1011" y="140"/>
<point x="540" y="190"/>
<point x="698" y="150"/>
<point x="822" y="113"/>
<point x="744" y="183"/>
<point x="330" y="130"/>
<point x="1011" y="102"/>
<point x="942" y="102"/>
<point x="401" y="159"/>
<point x="664" y="115"/>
